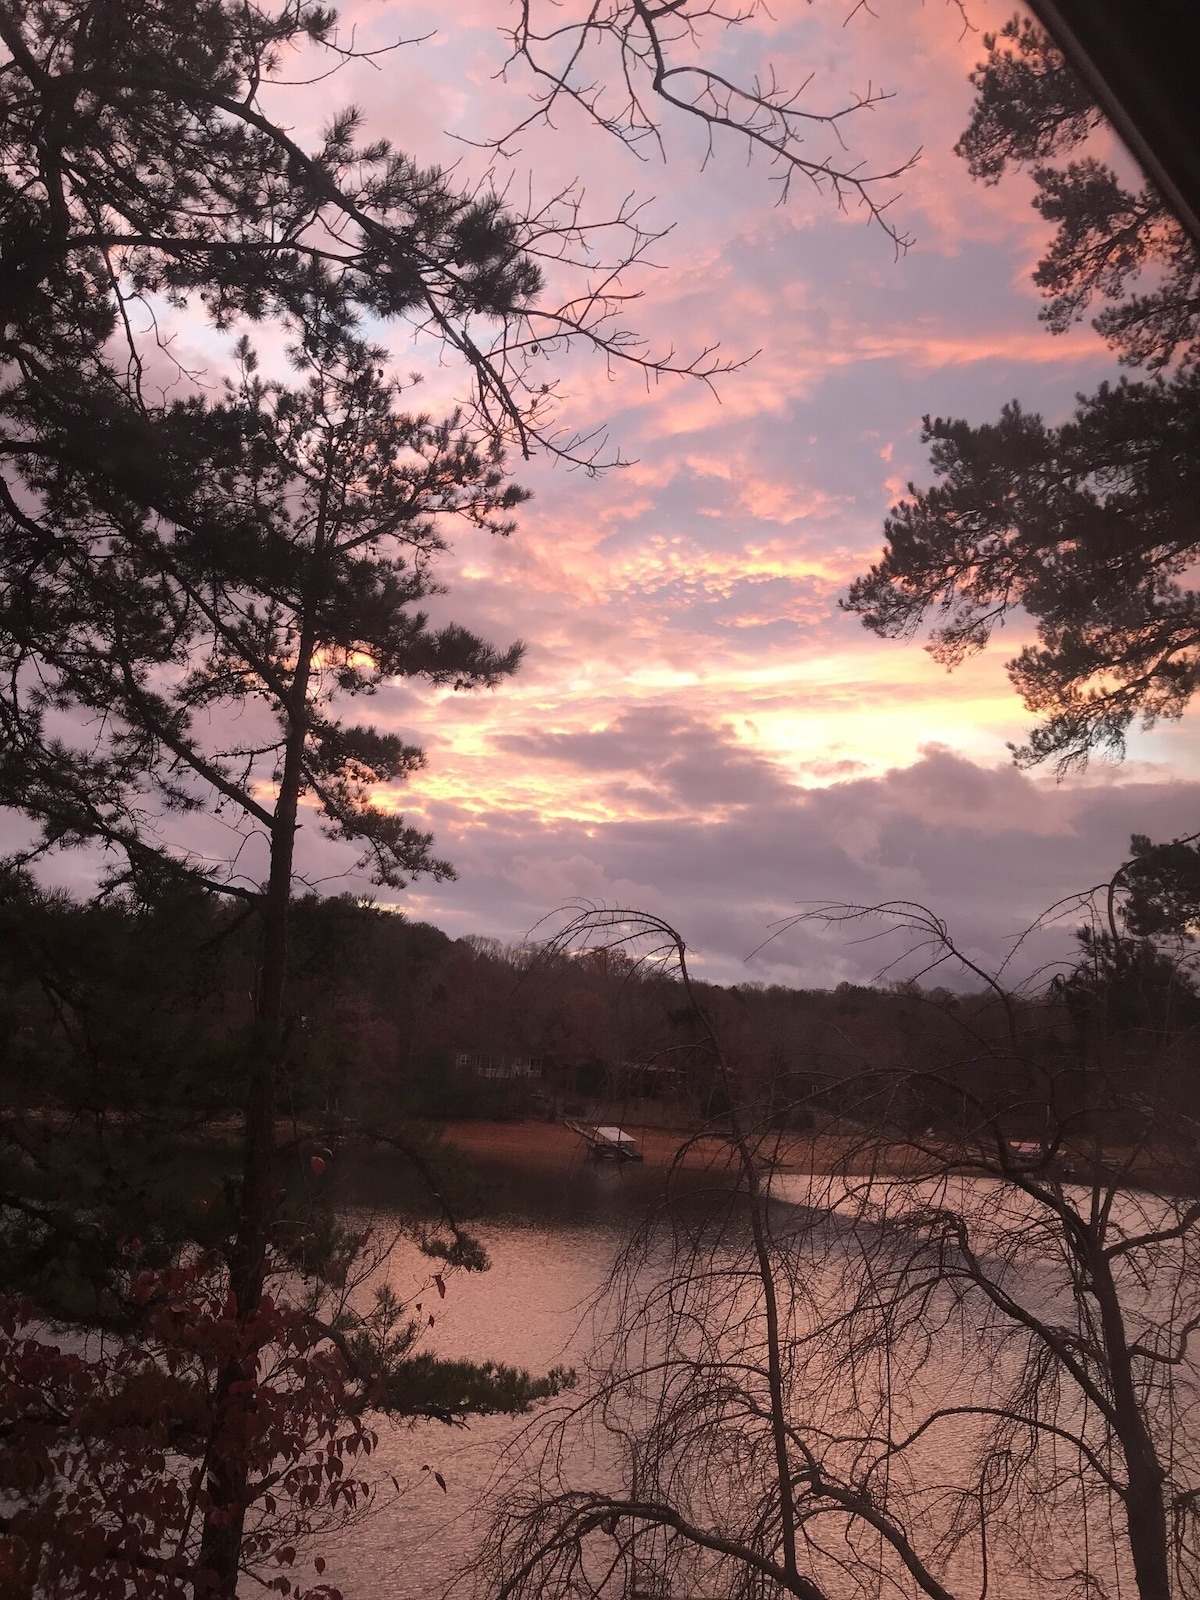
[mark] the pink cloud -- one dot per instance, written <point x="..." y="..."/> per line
<point x="682" y="613"/>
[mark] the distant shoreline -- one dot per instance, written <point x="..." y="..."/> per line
<point x="553" y="1146"/>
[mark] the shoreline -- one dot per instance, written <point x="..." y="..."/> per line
<point x="553" y="1146"/>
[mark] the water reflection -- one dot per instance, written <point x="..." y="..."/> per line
<point x="494" y="1188"/>
<point x="552" y="1234"/>
<point x="531" y="1310"/>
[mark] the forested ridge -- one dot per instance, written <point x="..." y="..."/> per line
<point x="121" y="1015"/>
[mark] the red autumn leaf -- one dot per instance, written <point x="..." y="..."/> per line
<point x="317" y="1164"/>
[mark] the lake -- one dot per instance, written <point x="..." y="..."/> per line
<point x="553" y="1234"/>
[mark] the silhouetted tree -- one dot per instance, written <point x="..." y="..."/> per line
<point x="1031" y="110"/>
<point x="122" y="1051"/>
<point x="921" y="1363"/>
<point x="1161" y="885"/>
<point x="167" y="556"/>
<point x="1090" y="527"/>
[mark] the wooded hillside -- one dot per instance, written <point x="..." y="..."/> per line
<point x="111" y="1012"/>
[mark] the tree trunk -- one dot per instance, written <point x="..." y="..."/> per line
<point x="766" y="1274"/>
<point x="1145" y="1508"/>
<point x="227" y="1477"/>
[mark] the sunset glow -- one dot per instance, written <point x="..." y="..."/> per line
<point x="689" y="672"/>
<point x="696" y="723"/>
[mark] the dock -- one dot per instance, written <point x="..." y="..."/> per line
<point x="606" y="1143"/>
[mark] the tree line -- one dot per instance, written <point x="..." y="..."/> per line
<point x="117" y="1016"/>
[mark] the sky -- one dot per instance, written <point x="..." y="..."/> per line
<point x="697" y="730"/>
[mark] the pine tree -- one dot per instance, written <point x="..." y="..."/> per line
<point x="165" y="561"/>
<point x="289" y="583"/>
<point x="169" y="559"/>
<point x="1090" y="526"/>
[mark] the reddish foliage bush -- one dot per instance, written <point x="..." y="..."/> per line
<point x="105" y="1441"/>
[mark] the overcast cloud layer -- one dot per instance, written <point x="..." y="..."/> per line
<point x="698" y="730"/>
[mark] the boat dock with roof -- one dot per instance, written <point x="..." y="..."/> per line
<point x="606" y="1143"/>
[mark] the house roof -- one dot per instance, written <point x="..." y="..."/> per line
<point x="1140" y="62"/>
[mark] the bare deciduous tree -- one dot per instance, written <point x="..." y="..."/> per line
<point x="947" y="1359"/>
<point x="668" y="54"/>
